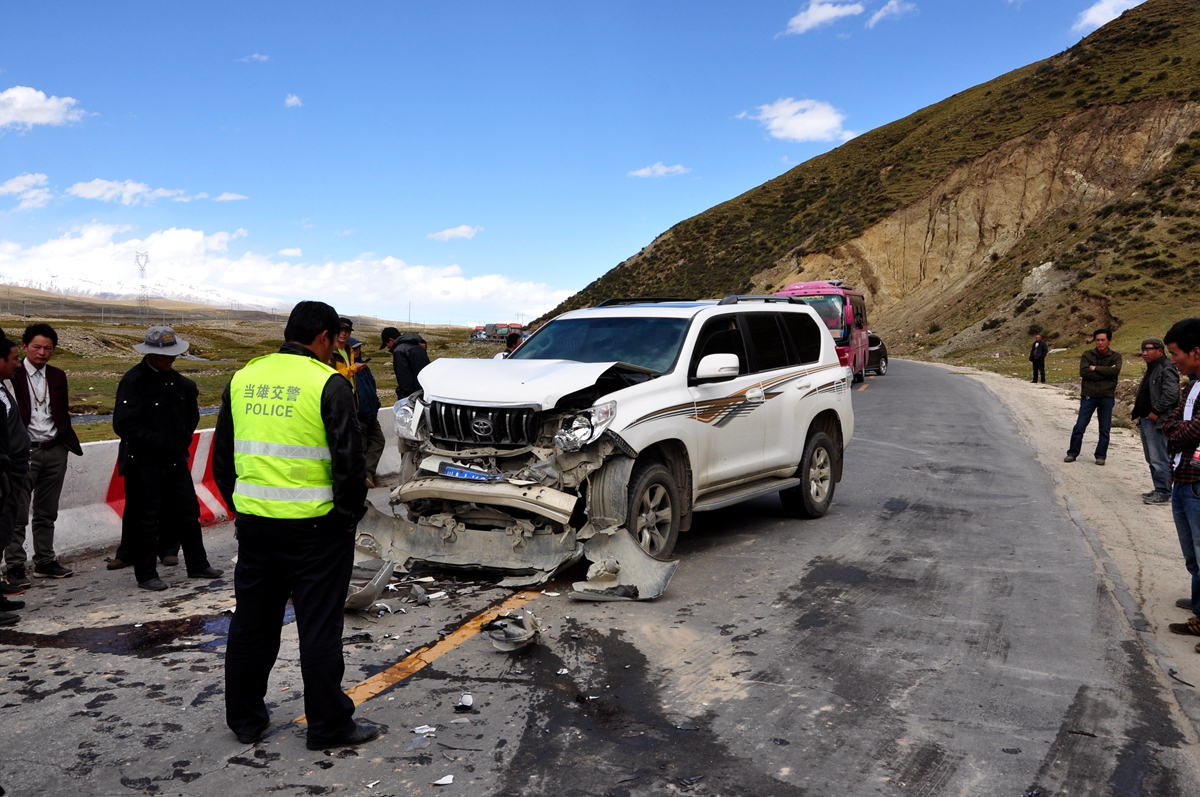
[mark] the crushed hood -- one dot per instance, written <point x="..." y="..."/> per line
<point x="540" y="382"/>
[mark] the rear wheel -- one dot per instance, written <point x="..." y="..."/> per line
<point x="882" y="368"/>
<point x="654" y="506"/>
<point x="812" y="497"/>
<point x="859" y="376"/>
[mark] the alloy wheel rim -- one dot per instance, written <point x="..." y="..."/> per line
<point x="654" y="518"/>
<point x="820" y="475"/>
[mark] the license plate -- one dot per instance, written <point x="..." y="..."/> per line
<point x="465" y="473"/>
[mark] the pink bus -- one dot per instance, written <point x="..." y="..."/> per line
<point x="844" y="311"/>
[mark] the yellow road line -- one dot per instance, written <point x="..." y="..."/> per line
<point x="864" y="387"/>
<point x="420" y="658"/>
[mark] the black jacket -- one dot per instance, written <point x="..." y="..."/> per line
<point x="155" y="415"/>
<point x="345" y="448"/>
<point x="1039" y="350"/>
<point x="14" y="445"/>
<point x="408" y="358"/>
<point x="1158" y="392"/>
<point x="368" y="394"/>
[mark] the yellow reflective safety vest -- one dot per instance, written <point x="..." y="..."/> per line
<point x="280" y="451"/>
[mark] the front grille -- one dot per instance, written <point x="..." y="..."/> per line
<point x="455" y="426"/>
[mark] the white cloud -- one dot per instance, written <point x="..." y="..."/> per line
<point x="801" y="120"/>
<point x="292" y="101"/>
<point x="229" y="196"/>
<point x="127" y="193"/>
<point x="293" y="252"/>
<point x="254" y="57"/>
<point x="820" y="13"/>
<point x="893" y="8"/>
<point x="22" y="106"/>
<point x="438" y="293"/>
<point x="461" y="231"/>
<point x="658" y="170"/>
<point x="29" y="187"/>
<point x="1101" y="13"/>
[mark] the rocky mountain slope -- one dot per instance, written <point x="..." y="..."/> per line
<point x="1055" y="197"/>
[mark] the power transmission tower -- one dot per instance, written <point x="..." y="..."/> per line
<point x="143" y="259"/>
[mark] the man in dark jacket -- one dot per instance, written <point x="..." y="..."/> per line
<point x="1182" y="430"/>
<point x="408" y="358"/>
<point x="42" y="398"/>
<point x="368" y="411"/>
<point x="155" y="414"/>
<point x="1037" y="356"/>
<point x="1157" y="395"/>
<point x="1098" y="370"/>
<point x="287" y="457"/>
<point x="14" y="461"/>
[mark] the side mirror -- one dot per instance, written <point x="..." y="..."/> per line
<point x="718" y="367"/>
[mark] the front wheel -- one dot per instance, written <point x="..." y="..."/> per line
<point x="812" y="497"/>
<point x="882" y="369"/>
<point x="654" y="506"/>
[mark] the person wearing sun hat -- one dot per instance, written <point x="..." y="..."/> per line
<point x="156" y="412"/>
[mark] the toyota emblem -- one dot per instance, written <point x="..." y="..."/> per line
<point x="482" y="427"/>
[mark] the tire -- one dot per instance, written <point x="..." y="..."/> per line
<point x="654" y="506"/>
<point x="812" y="497"/>
<point x="859" y="376"/>
<point x="881" y="369"/>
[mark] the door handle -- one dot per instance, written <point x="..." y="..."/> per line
<point x="755" y="394"/>
<point x="804" y="386"/>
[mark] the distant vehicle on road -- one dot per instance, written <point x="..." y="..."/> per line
<point x="844" y="311"/>
<point x="497" y="332"/>
<point x="877" y="356"/>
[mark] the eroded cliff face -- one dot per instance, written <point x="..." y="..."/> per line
<point x="942" y="245"/>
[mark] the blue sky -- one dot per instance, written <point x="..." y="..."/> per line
<point x="479" y="160"/>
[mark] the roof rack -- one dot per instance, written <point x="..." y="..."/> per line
<point x="736" y="298"/>
<point x="644" y="300"/>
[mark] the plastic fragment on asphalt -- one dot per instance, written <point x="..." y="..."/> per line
<point x="424" y="729"/>
<point x="137" y="625"/>
<point x="551" y="594"/>
<point x="437" y="595"/>
<point x="513" y="631"/>
<point x="373" y="784"/>
<point x="563" y="671"/>
<point x="381" y="607"/>
<point x="465" y="703"/>
<point x="419" y="743"/>
<point x="446" y="781"/>
<point x="459" y="721"/>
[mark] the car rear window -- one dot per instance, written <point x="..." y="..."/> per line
<point x="770" y="351"/>
<point x="806" y="336"/>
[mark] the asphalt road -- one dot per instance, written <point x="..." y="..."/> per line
<point x="944" y="630"/>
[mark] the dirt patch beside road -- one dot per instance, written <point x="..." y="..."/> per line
<point x="1140" y="539"/>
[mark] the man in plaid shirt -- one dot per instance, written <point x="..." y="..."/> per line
<point x="1182" y="430"/>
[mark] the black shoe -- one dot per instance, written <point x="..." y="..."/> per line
<point x="10" y="606"/>
<point x="17" y="577"/>
<point x="1184" y="603"/>
<point x="155" y="584"/>
<point x="170" y="561"/>
<point x="8" y="618"/>
<point x="52" y="570"/>
<point x="257" y="736"/>
<point x="360" y="735"/>
<point x="208" y="572"/>
<point x="1069" y="458"/>
<point x="7" y="589"/>
<point x="1157" y="498"/>
<point x="117" y="564"/>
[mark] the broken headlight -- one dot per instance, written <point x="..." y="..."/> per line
<point x="408" y="420"/>
<point x="586" y="427"/>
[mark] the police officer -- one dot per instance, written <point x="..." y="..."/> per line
<point x="288" y="457"/>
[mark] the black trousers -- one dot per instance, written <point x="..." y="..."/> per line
<point x="160" y="502"/>
<point x="310" y="564"/>
<point x="1039" y="366"/>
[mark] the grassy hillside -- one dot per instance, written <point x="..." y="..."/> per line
<point x="1152" y="51"/>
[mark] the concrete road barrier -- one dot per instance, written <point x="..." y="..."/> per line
<point x="93" y="496"/>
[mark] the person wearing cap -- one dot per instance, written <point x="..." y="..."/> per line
<point x="287" y="456"/>
<point x="42" y="399"/>
<point x="368" y="411"/>
<point x="156" y="412"/>
<point x="408" y="358"/>
<point x="343" y="356"/>
<point x="1157" y="395"/>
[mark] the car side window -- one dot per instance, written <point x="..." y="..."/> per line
<point x="720" y="336"/>
<point x="860" y="312"/>
<point x="770" y="351"/>
<point x="806" y="336"/>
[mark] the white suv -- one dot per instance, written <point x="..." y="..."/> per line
<point x="633" y="415"/>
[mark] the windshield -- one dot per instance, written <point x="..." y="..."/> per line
<point x="651" y="343"/>
<point x="832" y="312"/>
